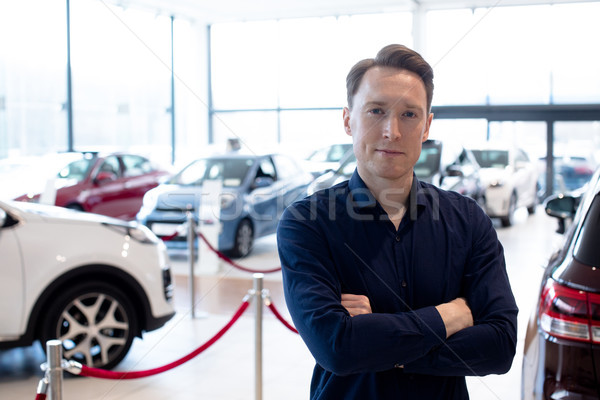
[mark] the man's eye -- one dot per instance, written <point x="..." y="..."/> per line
<point x="376" y="111"/>
<point x="409" y="114"/>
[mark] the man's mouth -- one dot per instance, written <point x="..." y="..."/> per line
<point x="390" y="152"/>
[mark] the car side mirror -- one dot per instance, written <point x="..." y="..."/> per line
<point x="454" y="170"/>
<point x="104" y="176"/>
<point x="562" y="207"/>
<point x="520" y="165"/>
<point x="262" y="182"/>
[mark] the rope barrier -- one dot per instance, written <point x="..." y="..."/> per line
<point x="231" y="262"/>
<point x="42" y="388"/>
<point x="169" y="237"/>
<point x="272" y="307"/>
<point x="84" y="370"/>
<point x="221" y="255"/>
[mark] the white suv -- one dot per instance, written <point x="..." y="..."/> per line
<point x="511" y="181"/>
<point x="91" y="281"/>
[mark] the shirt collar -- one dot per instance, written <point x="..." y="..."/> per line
<point x="362" y="197"/>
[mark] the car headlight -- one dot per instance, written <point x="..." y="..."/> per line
<point x="31" y="198"/>
<point x="135" y="231"/>
<point x="226" y="200"/>
<point x="141" y="233"/>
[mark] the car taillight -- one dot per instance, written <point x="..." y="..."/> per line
<point x="570" y="313"/>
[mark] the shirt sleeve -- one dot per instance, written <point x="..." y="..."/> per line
<point x="489" y="346"/>
<point x="342" y="344"/>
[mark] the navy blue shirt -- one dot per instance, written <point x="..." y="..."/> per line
<point x="340" y="240"/>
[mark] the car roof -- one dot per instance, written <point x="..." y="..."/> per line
<point x="234" y="155"/>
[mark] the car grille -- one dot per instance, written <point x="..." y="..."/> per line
<point x="168" y="284"/>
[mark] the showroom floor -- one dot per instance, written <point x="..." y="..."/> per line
<point x="226" y="370"/>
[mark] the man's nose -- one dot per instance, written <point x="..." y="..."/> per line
<point x="392" y="129"/>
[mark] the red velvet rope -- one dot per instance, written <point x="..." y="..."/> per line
<point x="280" y="318"/>
<point x="170" y="237"/>
<point x="233" y="263"/>
<point x="99" y="373"/>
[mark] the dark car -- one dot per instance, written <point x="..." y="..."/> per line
<point x="445" y="165"/>
<point x="254" y="191"/>
<point x="561" y="357"/>
<point x="113" y="184"/>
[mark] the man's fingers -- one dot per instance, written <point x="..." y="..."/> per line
<point x="356" y="304"/>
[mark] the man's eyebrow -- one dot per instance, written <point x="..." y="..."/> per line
<point x="381" y="103"/>
<point x="375" y="103"/>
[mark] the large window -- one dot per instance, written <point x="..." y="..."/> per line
<point x="515" y="55"/>
<point x="121" y="80"/>
<point x="121" y="77"/>
<point x="32" y="77"/>
<point x="277" y="82"/>
<point x="294" y="71"/>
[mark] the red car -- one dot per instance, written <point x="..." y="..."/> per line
<point x="112" y="184"/>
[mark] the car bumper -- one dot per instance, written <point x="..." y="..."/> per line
<point x="561" y="370"/>
<point x="166" y="228"/>
<point x="497" y="201"/>
<point x="153" y="323"/>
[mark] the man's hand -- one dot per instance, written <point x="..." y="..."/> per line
<point x="356" y="304"/>
<point x="456" y="315"/>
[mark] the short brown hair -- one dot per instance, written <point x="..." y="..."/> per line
<point x="396" y="56"/>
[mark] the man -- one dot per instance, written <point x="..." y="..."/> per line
<point x="398" y="288"/>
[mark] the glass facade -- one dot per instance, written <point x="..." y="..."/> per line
<point x="278" y="82"/>
<point x="515" y="55"/>
<point x="121" y="80"/>
<point x="32" y="77"/>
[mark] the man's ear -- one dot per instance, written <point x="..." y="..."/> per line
<point x="427" y="126"/>
<point x="347" y="121"/>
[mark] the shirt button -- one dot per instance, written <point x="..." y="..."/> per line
<point x="397" y="238"/>
<point x="404" y="284"/>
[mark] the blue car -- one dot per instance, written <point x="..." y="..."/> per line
<point x="245" y="194"/>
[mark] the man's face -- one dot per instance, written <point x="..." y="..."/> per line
<point x="388" y="123"/>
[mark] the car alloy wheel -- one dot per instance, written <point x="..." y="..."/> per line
<point x="243" y="239"/>
<point x="95" y="322"/>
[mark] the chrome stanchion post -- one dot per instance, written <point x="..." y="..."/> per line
<point x="55" y="372"/>
<point x="191" y="237"/>
<point x="258" y="307"/>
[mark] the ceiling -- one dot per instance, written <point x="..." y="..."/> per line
<point x="211" y="11"/>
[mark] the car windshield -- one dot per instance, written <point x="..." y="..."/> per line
<point x="587" y="250"/>
<point x="231" y="171"/>
<point x="491" y="158"/>
<point x="428" y="163"/>
<point x="76" y="170"/>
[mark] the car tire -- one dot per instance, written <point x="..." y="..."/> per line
<point x="509" y="218"/>
<point x="244" y="238"/>
<point x="75" y="207"/>
<point x="532" y="207"/>
<point x="96" y="323"/>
